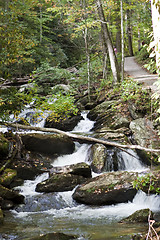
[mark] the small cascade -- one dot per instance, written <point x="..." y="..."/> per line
<point x="130" y="161"/>
<point x="85" y="125"/>
<point x="80" y="155"/>
<point x="28" y="188"/>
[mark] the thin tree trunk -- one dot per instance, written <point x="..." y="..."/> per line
<point x="85" y="35"/>
<point x="122" y="36"/>
<point x="105" y="54"/>
<point x="129" y="33"/>
<point x="88" y="61"/>
<point x="118" y="28"/>
<point x="112" y="55"/>
<point x="156" y="32"/>
<point x="80" y="138"/>
<point x="41" y="29"/>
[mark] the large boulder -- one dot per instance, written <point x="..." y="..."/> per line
<point x="140" y="216"/>
<point x="31" y="165"/>
<point x="64" y="124"/>
<point x="81" y="169"/>
<point x="106" y="189"/>
<point x="9" y="197"/>
<point x="103" y="159"/>
<point x="144" y="133"/>
<point x="110" y="123"/>
<point x="48" y="144"/>
<point x="60" y="183"/>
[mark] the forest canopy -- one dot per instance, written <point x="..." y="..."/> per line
<point x="69" y="42"/>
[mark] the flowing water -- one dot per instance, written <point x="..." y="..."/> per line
<point x="58" y="212"/>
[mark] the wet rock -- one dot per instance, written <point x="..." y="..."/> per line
<point x="1" y="217"/>
<point x="84" y="101"/>
<point x="4" y="146"/>
<point x="64" y="124"/>
<point x="8" y="194"/>
<point x="144" y="133"/>
<point x="60" y="183"/>
<point x="134" y="110"/>
<point x="8" y="177"/>
<point x="31" y="165"/>
<point x="98" y="153"/>
<point x="106" y="189"/>
<point x="48" y="144"/>
<point x="140" y="216"/>
<point x="52" y="236"/>
<point x="110" y="123"/>
<point x="81" y="169"/>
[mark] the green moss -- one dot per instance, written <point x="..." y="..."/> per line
<point x="8" y="176"/>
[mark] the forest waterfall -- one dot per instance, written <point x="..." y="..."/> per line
<point x="60" y="213"/>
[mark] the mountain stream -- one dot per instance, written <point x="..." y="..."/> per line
<point x="58" y="212"/>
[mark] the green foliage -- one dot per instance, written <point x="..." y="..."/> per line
<point x="130" y="89"/>
<point x="60" y="106"/>
<point x="13" y="101"/>
<point x="47" y="76"/>
<point x="147" y="183"/>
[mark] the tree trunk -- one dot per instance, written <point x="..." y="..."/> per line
<point x="156" y="32"/>
<point x="129" y="33"/>
<point x="118" y="28"/>
<point x="80" y="138"/>
<point x="41" y="29"/>
<point x="122" y="36"/>
<point x="85" y="35"/>
<point x="112" y="55"/>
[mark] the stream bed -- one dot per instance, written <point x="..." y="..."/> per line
<point x="58" y="212"/>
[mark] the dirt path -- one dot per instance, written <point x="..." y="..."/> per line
<point x="133" y="70"/>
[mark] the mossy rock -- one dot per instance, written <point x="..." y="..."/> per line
<point x="98" y="157"/>
<point x="106" y="189"/>
<point x="9" y="194"/>
<point x="4" y="146"/>
<point x="60" y="183"/>
<point x="48" y="144"/>
<point x="140" y="216"/>
<point x="8" y="177"/>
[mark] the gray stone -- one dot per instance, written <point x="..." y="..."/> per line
<point x="60" y="183"/>
<point x="144" y="133"/>
<point x="48" y="144"/>
<point x="140" y="216"/>
<point x="106" y="189"/>
<point x="81" y="169"/>
<point x="98" y="157"/>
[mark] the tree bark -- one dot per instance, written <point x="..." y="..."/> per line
<point x="129" y="33"/>
<point x="107" y="37"/>
<point x="122" y="36"/>
<point x="80" y="138"/>
<point x="156" y="32"/>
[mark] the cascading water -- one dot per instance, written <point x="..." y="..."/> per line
<point x="58" y="212"/>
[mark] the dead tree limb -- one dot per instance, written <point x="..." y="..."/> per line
<point x="80" y="138"/>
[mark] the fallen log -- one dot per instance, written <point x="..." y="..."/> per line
<point x="80" y="138"/>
